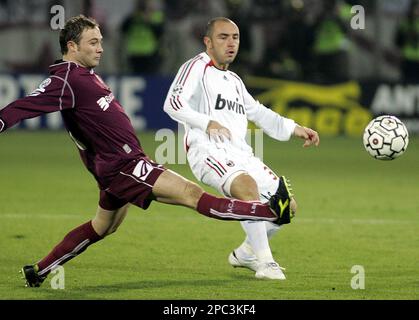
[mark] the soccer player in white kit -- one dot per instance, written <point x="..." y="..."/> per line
<point x="214" y="106"/>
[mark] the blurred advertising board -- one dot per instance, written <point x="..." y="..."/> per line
<point x="334" y="109"/>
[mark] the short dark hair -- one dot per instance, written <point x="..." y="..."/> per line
<point x="73" y="29"/>
<point x="210" y="25"/>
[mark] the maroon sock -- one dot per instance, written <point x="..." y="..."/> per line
<point x="233" y="209"/>
<point x="74" y="243"/>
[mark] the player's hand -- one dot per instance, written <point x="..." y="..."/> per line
<point x="310" y="136"/>
<point x="217" y="132"/>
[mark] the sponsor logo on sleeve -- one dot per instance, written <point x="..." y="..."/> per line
<point x="41" y="88"/>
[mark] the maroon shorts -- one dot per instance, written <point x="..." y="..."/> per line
<point x="134" y="184"/>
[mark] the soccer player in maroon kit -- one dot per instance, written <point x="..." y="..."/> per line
<point x="112" y="153"/>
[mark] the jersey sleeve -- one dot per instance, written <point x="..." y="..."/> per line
<point x="273" y="124"/>
<point x="53" y="94"/>
<point x="186" y="89"/>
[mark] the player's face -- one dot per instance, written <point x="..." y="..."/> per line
<point x="223" y="44"/>
<point x="89" y="50"/>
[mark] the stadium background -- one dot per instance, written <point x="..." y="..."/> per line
<point x="288" y="66"/>
<point x="362" y="76"/>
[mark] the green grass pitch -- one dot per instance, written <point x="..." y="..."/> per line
<point x="353" y="210"/>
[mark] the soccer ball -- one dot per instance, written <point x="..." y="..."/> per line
<point x="386" y="138"/>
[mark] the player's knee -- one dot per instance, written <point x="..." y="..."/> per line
<point x="103" y="226"/>
<point x="107" y="222"/>
<point x="113" y="227"/>
<point x="242" y="187"/>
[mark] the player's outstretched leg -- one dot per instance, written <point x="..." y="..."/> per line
<point x="172" y="188"/>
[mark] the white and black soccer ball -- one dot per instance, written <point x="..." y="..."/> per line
<point x="386" y="138"/>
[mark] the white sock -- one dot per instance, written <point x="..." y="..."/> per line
<point x="245" y="250"/>
<point x="256" y="241"/>
<point x="271" y="229"/>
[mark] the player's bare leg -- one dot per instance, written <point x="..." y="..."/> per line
<point x="107" y="221"/>
<point x="172" y="188"/>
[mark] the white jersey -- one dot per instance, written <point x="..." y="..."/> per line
<point x="201" y="92"/>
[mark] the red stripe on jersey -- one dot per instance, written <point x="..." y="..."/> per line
<point x="218" y="163"/>
<point x="214" y="169"/>
<point x="181" y="73"/>
<point x="189" y="71"/>
<point x="173" y="104"/>
<point x="180" y="103"/>
<point x="238" y="79"/>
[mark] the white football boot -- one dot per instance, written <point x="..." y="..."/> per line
<point x="249" y="262"/>
<point x="270" y="270"/>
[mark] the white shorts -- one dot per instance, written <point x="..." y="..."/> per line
<point x="218" y="168"/>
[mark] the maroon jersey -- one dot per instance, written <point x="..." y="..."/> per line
<point x="93" y="117"/>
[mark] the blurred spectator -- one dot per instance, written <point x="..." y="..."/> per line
<point x="142" y="33"/>
<point x="276" y="60"/>
<point x="331" y="43"/>
<point x="185" y="28"/>
<point x="299" y="38"/>
<point x="239" y="12"/>
<point x="93" y="8"/>
<point x="40" y="63"/>
<point x="266" y="9"/>
<point x="289" y="43"/>
<point x="407" y="40"/>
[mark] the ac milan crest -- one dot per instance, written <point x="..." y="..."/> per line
<point x="230" y="163"/>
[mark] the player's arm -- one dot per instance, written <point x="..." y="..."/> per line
<point x="183" y="94"/>
<point x="275" y="125"/>
<point x="52" y="95"/>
